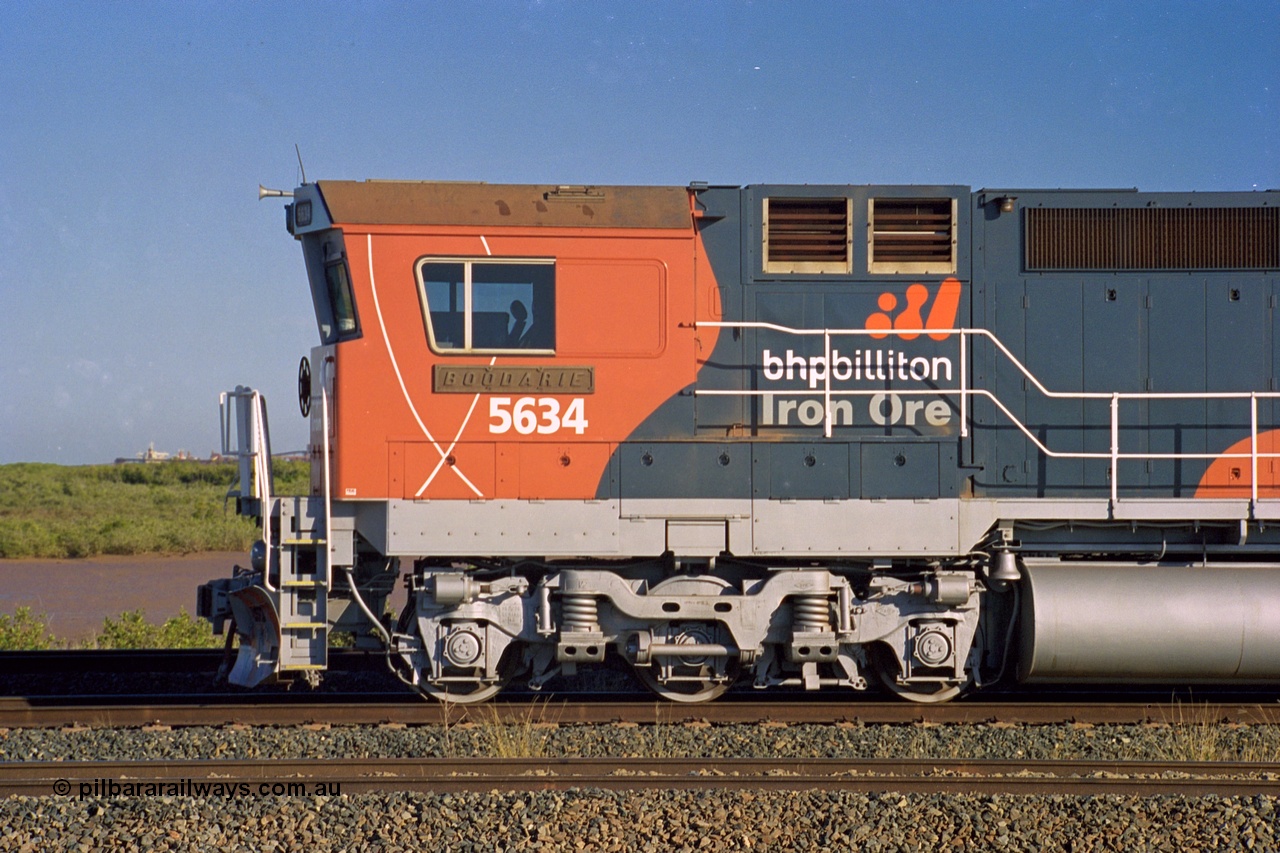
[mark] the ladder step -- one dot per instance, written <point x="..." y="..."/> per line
<point x="304" y="542"/>
<point x="305" y="584"/>
<point x="303" y="626"/>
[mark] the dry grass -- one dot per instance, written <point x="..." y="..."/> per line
<point x="487" y="734"/>
<point x="526" y="738"/>
<point x="1198" y="733"/>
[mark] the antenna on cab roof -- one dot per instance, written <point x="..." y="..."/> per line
<point x="301" y="168"/>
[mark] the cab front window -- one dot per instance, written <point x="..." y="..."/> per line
<point x="341" y="304"/>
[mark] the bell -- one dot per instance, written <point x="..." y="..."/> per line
<point x="1006" y="567"/>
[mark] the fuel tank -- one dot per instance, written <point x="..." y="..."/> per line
<point x="1149" y="622"/>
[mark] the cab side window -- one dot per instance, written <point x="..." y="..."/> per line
<point x="488" y="305"/>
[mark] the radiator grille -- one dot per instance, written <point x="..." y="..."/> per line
<point x="912" y="235"/>
<point x="1206" y="238"/>
<point x="807" y="235"/>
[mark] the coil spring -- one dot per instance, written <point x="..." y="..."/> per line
<point x="811" y="613"/>
<point x="580" y="612"/>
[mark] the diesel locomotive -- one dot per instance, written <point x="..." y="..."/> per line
<point x="921" y="438"/>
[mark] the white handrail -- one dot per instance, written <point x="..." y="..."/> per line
<point x="986" y="333"/>
<point x="328" y="509"/>
<point x="1114" y="455"/>
<point x="262" y="454"/>
<point x="253" y="456"/>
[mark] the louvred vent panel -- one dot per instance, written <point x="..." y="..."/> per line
<point x="808" y="230"/>
<point x="1207" y="238"/>
<point x="915" y="231"/>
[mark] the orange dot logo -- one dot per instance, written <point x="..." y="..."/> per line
<point x="909" y="323"/>
<point x="881" y="319"/>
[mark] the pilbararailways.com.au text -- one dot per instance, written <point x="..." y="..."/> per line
<point x="198" y="788"/>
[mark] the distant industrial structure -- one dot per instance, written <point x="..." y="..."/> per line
<point x="153" y="455"/>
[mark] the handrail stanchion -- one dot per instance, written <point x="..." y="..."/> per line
<point x="224" y="421"/>
<point x="1115" y="449"/>
<point x="826" y="391"/>
<point x="964" y="386"/>
<point x="328" y="508"/>
<point x="1253" y="450"/>
<point x="262" y="486"/>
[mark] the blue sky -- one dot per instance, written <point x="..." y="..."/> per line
<point x="141" y="275"/>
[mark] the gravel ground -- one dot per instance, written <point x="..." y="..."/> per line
<point x="647" y="820"/>
<point x="993" y="741"/>
<point x="643" y="821"/>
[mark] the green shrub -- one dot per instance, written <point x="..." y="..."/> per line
<point x="133" y="631"/>
<point x="171" y="507"/>
<point x="24" y="632"/>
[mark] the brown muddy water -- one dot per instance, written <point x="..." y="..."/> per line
<point x="76" y="596"/>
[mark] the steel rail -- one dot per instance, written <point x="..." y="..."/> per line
<point x="284" y="710"/>
<point x="124" y="661"/>
<point x="85" y="779"/>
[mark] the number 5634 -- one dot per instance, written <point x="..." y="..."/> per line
<point x="527" y="415"/>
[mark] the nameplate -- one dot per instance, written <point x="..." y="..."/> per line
<point x="485" y="379"/>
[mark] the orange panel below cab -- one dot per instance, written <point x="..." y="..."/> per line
<point x="483" y="470"/>
<point x="465" y="473"/>
<point x="549" y="471"/>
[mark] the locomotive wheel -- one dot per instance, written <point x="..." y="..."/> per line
<point x="695" y="689"/>
<point x="459" y="693"/>
<point x="690" y="692"/>
<point x="886" y="669"/>
<point x="942" y="693"/>
<point x="473" y="692"/>
<point x="885" y="666"/>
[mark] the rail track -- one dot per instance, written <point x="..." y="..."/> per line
<point x="395" y="707"/>
<point x="252" y="777"/>
<point x="126" y="661"/>
<point x="344" y="709"/>
<point x="27" y="678"/>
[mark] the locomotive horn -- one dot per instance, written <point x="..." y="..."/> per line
<point x="263" y="192"/>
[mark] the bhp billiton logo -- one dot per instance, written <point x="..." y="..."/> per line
<point x="942" y="315"/>
<point x="870" y="364"/>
